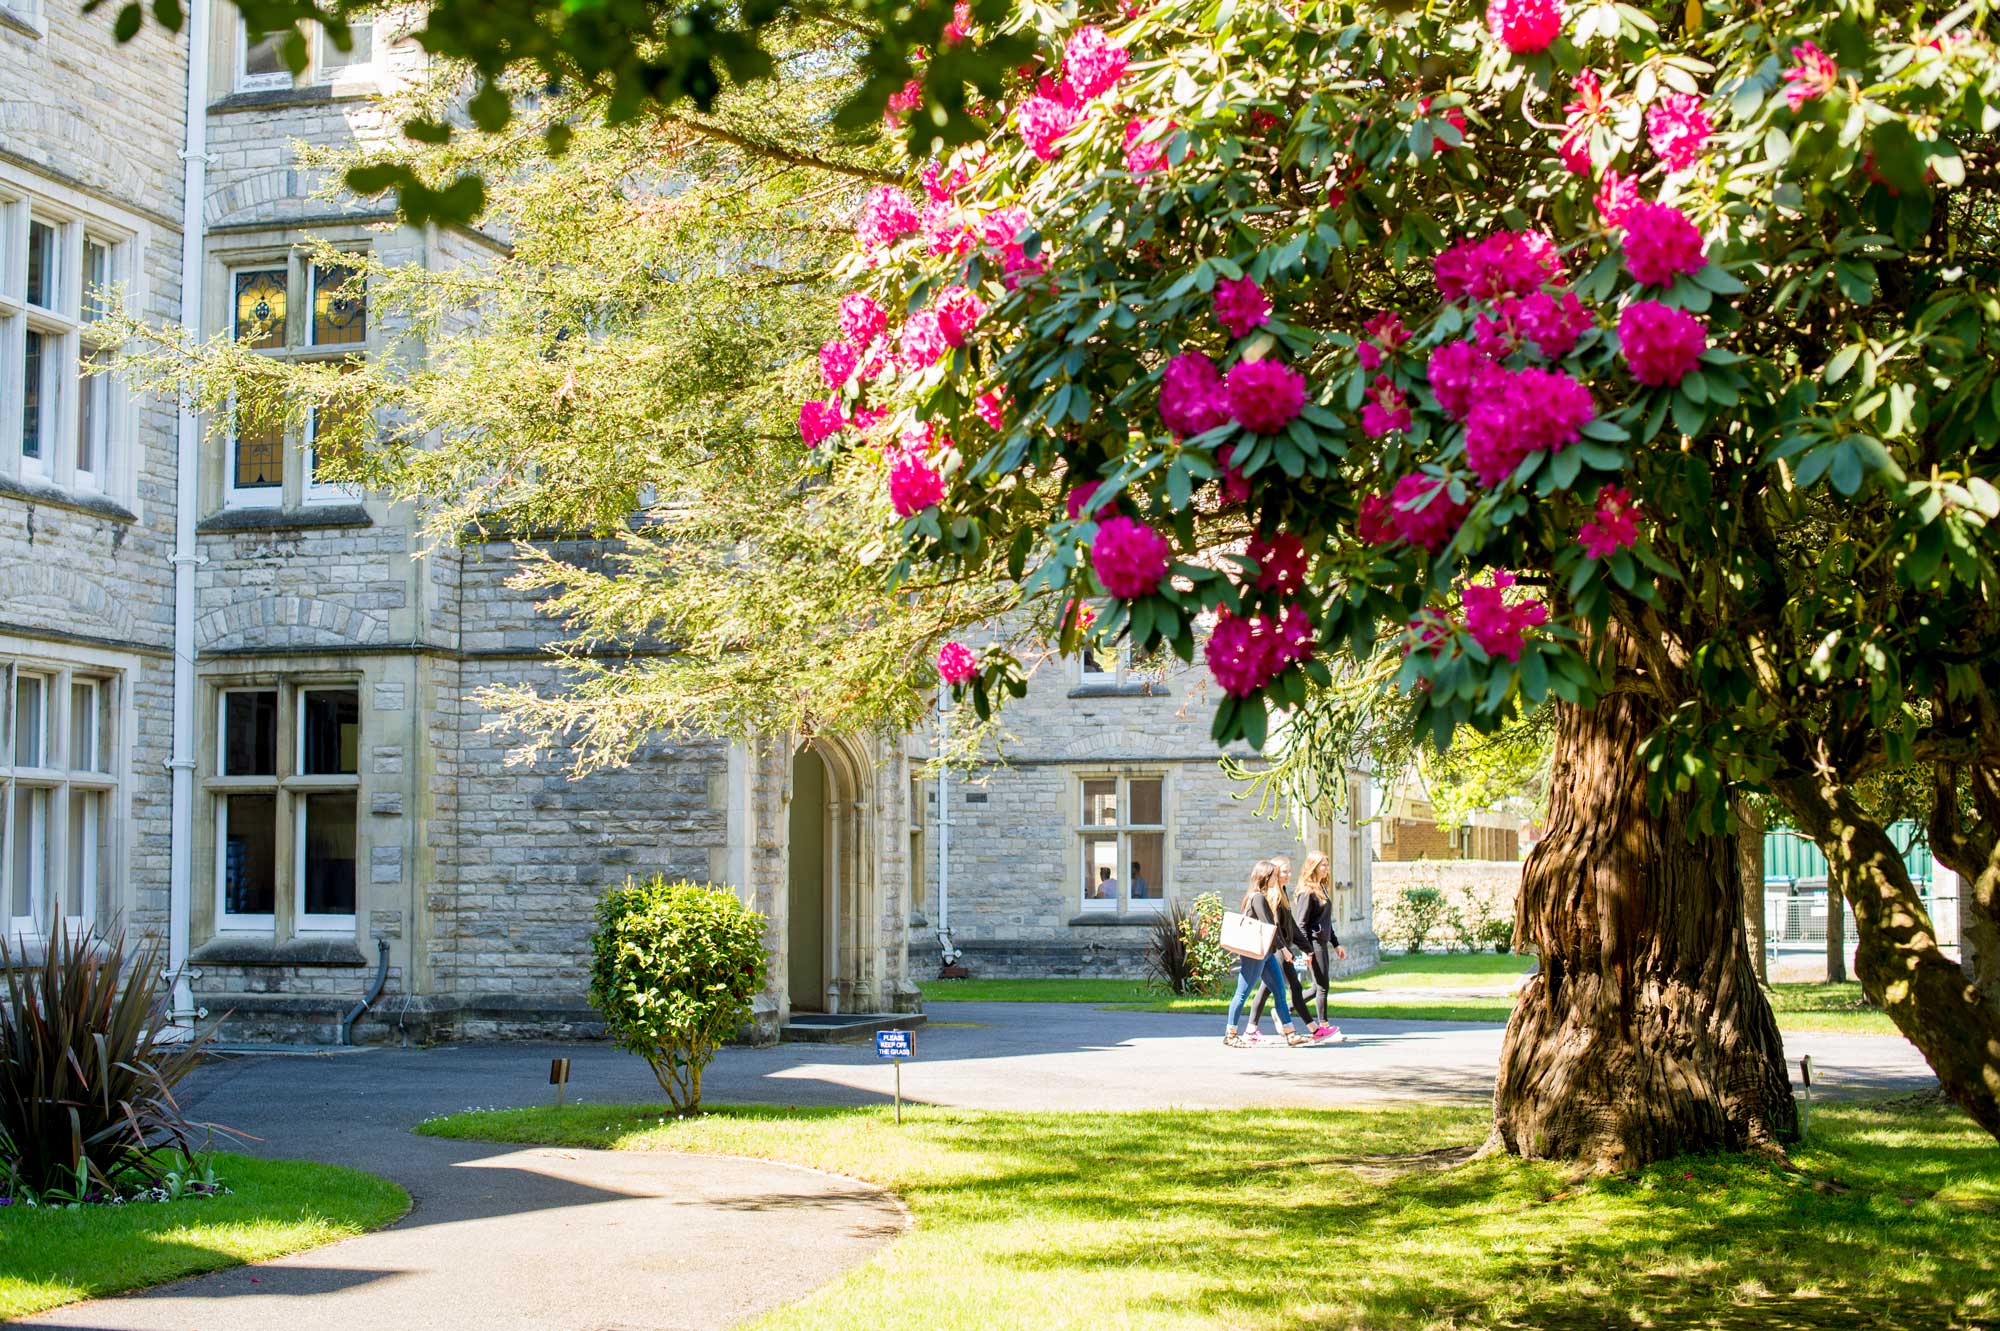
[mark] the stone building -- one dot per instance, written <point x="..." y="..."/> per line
<point x="237" y="698"/>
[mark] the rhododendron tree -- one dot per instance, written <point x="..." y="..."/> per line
<point x="1635" y="365"/>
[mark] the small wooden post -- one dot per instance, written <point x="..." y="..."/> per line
<point x="559" y="1078"/>
<point x="1805" y="1105"/>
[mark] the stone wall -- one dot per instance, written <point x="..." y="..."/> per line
<point x="1495" y="882"/>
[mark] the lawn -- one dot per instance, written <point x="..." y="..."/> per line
<point x="1800" y="1007"/>
<point x="50" y="1257"/>
<point x="1359" y="1219"/>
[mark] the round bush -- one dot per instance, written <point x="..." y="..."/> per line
<point x="673" y="968"/>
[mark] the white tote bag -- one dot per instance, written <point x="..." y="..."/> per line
<point x="1247" y="937"/>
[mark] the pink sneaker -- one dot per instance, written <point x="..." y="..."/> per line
<point x="1326" y="1034"/>
<point x="1253" y="1036"/>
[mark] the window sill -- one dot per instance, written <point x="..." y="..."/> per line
<point x="41" y="492"/>
<point x="28" y="26"/>
<point x="1107" y="920"/>
<point x="305" y="94"/>
<point x="306" y="950"/>
<point x="285" y="519"/>
<point x="1143" y="690"/>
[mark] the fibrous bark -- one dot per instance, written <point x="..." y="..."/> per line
<point x="1645" y="1033"/>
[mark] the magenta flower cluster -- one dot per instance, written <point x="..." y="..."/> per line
<point x="914" y="484"/>
<point x="1129" y="558"/>
<point x="1551" y="324"/>
<point x="1092" y="62"/>
<point x="1498" y="626"/>
<point x="1613" y="527"/>
<point x="1660" y="343"/>
<point x="1419" y="510"/>
<point x="861" y="319"/>
<point x="1525" y="26"/>
<point x="1816" y="75"/>
<point x="1281" y="563"/>
<point x="1241" y="305"/>
<point x="1264" y="396"/>
<point x="1191" y="397"/>
<point x="1677" y="127"/>
<point x="1146" y="145"/>
<point x="958" y="310"/>
<point x="1660" y="243"/>
<point x="887" y="215"/>
<point x="1245" y="653"/>
<point x="818" y="422"/>
<point x="1506" y="263"/>
<point x="922" y="341"/>
<point x="956" y="663"/>
<point x="1386" y="409"/>
<point x="1521" y="412"/>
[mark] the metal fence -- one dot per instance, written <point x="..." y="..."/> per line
<point x="1795" y="913"/>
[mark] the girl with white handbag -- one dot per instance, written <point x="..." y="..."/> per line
<point x="1252" y="934"/>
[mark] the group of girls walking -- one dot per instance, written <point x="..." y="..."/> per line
<point x="1304" y="932"/>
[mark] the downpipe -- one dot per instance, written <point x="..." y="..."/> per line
<point x="368" y="999"/>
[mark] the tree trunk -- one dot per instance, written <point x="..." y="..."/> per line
<point x="1836" y="934"/>
<point x="1750" y="859"/>
<point x="1902" y="969"/>
<point x="1644" y="1034"/>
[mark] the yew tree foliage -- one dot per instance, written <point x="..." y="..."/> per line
<point x="1492" y="357"/>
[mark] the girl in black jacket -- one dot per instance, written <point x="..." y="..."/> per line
<point x="1316" y="940"/>
<point x="1264" y="902"/>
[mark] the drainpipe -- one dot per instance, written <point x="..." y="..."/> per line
<point x="187" y="464"/>
<point x="374" y="992"/>
<point x="949" y="953"/>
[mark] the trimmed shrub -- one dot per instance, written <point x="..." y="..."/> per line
<point x="87" y="1108"/>
<point x="1419" y="914"/>
<point x="673" y="969"/>
<point x="1201" y="931"/>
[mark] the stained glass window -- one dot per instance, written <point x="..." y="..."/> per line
<point x="260" y="307"/>
<point x="260" y="453"/>
<point x="340" y="306"/>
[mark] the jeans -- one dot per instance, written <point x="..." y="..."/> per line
<point x="1250" y="970"/>
<point x="1291" y="974"/>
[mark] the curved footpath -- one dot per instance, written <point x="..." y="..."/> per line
<point x="503" y="1237"/>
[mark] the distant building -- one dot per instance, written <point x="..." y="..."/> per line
<point x="1406" y="828"/>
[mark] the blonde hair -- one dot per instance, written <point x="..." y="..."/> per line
<point x="1319" y="872"/>
<point x="1262" y="875"/>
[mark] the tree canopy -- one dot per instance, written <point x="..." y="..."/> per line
<point x="1536" y="354"/>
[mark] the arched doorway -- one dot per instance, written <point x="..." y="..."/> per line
<point x="808" y="883"/>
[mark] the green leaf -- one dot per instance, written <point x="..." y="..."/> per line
<point x="1843" y="361"/>
<point x="129" y="20"/>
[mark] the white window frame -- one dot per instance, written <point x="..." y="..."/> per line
<point x="60" y="788"/>
<point x="363" y="66"/>
<point x="1121" y="830"/>
<point x="301" y="785"/>
<point x="68" y="339"/>
<point x="245" y="81"/>
<point x="297" y="344"/>
<point x="223" y="787"/>
<point x="28" y="13"/>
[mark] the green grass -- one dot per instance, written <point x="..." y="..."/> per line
<point x="50" y="1257"/>
<point x="1800" y="1007"/>
<point x="1340" y="1220"/>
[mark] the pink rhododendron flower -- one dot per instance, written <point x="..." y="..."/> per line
<point x="1613" y="527"/>
<point x="1129" y="558"/>
<point x="903" y="101"/>
<point x="1233" y="485"/>
<point x="1262" y="121"/>
<point x="960" y="25"/>
<point x="1079" y="498"/>
<point x="867" y="418"/>
<point x="1497" y="626"/>
<point x="1386" y="409"/>
<point x="1616" y="196"/>
<point x="1519" y="412"/>
<point x="1264" y="395"/>
<point x="1505" y="263"/>
<point x="958" y="310"/>
<point x="914" y="484"/>
<point x="1525" y="26"/>
<point x="1043" y="120"/>
<point x="1456" y="371"/>
<point x="1660" y="343"/>
<point x="886" y="217"/>
<point x="1661" y="244"/>
<point x="861" y="319"/>
<point x="1092" y="62"/>
<point x="946" y="230"/>
<point x="837" y="360"/>
<point x="1244" y="653"/>
<point x="1281" y="563"/>
<point x="1192" y="400"/>
<point x="992" y="408"/>
<point x="1386" y="332"/>
<point x="1550" y="324"/>
<point x="1816" y="75"/>
<point x="1146" y="145"/>
<point x="1430" y="632"/>
<point x="1422" y="512"/>
<point x="1240" y="305"/>
<point x="922" y="341"/>
<point x="1375" y="523"/>
<point x="818" y="421"/>
<point x="1584" y="114"/>
<point x="1002" y="232"/>
<point x="1677" y="128"/>
<point x="956" y="663"/>
<point x="1453" y="116"/>
<point x="923" y="439"/>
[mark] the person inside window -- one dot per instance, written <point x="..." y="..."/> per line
<point x="1141" y="889"/>
<point x="1106" y="887"/>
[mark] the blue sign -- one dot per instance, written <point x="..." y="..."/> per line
<point x="895" y="1044"/>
